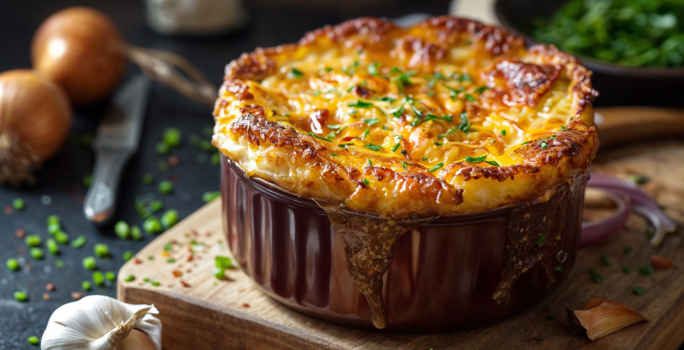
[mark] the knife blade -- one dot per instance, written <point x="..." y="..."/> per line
<point x="116" y="140"/>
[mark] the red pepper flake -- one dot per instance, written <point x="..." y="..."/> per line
<point x="177" y="273"/>
<point x="137" y="261"/>
<point x="20" y="233"/>
<point x="245" y="305"/>
<point x="76" y="295"/>
<point x="51" y="287"/>
<point x="46" y="296"/>
<point x="8" y="210"/>
<point x="190" y="258"/>
<point x="173" y="161"/>
<point x="194" y="232"/>
<point x="184" y="284"/>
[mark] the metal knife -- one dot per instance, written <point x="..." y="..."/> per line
<point x="117" y="139"/>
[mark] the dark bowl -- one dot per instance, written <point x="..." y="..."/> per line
<point x="618" y="85"/>
<point x="456" y="272"/>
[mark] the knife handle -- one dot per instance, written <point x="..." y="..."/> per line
<point x="101" y="198"/>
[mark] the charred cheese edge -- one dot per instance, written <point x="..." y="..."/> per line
<point x="449" y="116"/>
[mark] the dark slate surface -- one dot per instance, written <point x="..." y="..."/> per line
<point x="61" y="177"/>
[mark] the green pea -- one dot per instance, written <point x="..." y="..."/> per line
<point x="148" y="179"/>
<point x="52" y="246"/>
<point x="165" y="187"/>
<point x="162" y="166"/>
<point x="122" y="230"/>
<point x="152" y="225"/>
<point x="127" y="255"/>
<point x="78" y="242"/>
<point x="169" y="218"/>
<point x="37" y="253"/>
<point x="87" y="180"/>
<point x="32" y="240"/>
<point x="59" y="263"/>
<point x="20" y="296"/>
<point x="86" y="285"/>
<point x="220" y="273"/>
<point x="208" y="131"/>
<point x="162" y="148"/>
<point x="18" y="204"/>
<point x="136" y="233"/>
<point x="129" y="278"/>
<point x="172" y="137"/>
<point x="101" y="250"/>
<point x="110" y="276"/>
<point x="98" y="278"/>
<point x="155" y="283"/>
<point x="62" y="237"/>
<point x="13" y="264"/>
<point x="33" y="340"/>
<point x="53" y="229"/>
<point x="53" y="220"/>
<point x="89" y="263"/>
<point x="156" y="205"/>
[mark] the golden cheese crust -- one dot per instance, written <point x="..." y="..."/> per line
<point x="449" y="116"/>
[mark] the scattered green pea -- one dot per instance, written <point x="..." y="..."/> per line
<point x="152" y="225"/>
<point x="210" y="196"/>
<point x="32" y="240"/>
<point x="13" y="264"/>
<point x="20" y="296"/>
<point x="156" y="205"/>
<point x="53" y="229"/>
<point x="98" y="278"/>
<point x="127" y="255"/>
<point x="148" y="179"/>
<point x="89" y="263"/>
<point x="59" y="263"/>
<point x="165" y="187"/>
<point x="52" y="246"/>
<point x="219" y="273"/>
<point x="129" y="278"/>
<point x="223" y="262"/>
<point x="208" y="131"/>
<point x="101" y="250"/>
<point x="215" y="159"/>
<point x="53" y="220"/>
<point x="155" y="283"/>
<point x="646" y="270"/>
<point x="86" y="285"/>
<point x="162" y="166"/>
<point x="78" y="242"/>
<point x="33" y="340"/>
<point x="62" y="237"/>
<point x="122" y="230"/>
<point x="169" y="218"/>
<point x="170" y="260"/>
<point x="87" y="180"/>
<point x="172" y="137"/>
<point x="136" y="233"/>
<point x="18" y="204"/>
<point x="37" y="253"/>
<point x="110" y="276"/>
<point x="639" y="291"/>
<point x="162" y="148"/>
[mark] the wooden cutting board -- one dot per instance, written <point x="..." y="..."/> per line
<point x="201" y="312"/>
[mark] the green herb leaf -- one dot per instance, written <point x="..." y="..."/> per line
<point x="361" y="104"/>
<point x="469" y="97"/>
<point x="319" y="137"/>
<point x="544" y="145"/>
<point x="646" y="270"/>
<point x="371" y="121"/>
<point x="373" y="147"/>
<point x="396" y="147"/>
<point x="465" y="124"/>
<point x="403" y="165"/>
<point x="365" y="133"/>
<point x="491" y="162"/>
<point x="369" y="162"/>
<point x="436" y="167"/>
<point x="595" y="276"/>
<point x="481" y="89"/>
<point x="446" y="117"/>
<point x="639" y="291"/>
<point x="387" y="99"/>
<point x="475" y="159"/>
<point x="295" y="73"/>
<point x="606" y="261"/>
<point x="563" y="127"/>
<point x="454" y="92"/>
<point x="540" y="241"/>
<point x="373" y="68"/>
<point x="503" y="132"/>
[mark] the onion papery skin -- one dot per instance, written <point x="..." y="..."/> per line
<point x="35" y="117"/>
<point x="81" y="50"/>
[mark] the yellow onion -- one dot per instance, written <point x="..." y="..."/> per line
<point x="35" y="117"/>
<point x="81" y="50"/>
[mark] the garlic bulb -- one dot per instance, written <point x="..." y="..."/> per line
<point x="98" y="322"/>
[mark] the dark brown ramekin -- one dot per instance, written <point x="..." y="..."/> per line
<point x="450" y="274"/>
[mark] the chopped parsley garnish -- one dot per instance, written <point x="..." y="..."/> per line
<point x="436" y="167"/>
<point x="330" y="135"/>
<point x="491" y="162"/>
<point x="465" y="124"/>
<point x="403" y="165"/>
<point x="369" y="162"/>
<point x="295" y="73"/>
<point x="431" y="84"/>
<point x="470" y="97"/>
<point x="475" y="159"/>
<point x="396" y="147"/>
<point x="398" y="112"/>
<point x="387" y="99"/>
<point x="503" y="132"/>
<point x="429" y="117"/>
<point x="558" y="268"/>
<point x="316" y="93"/>
<point x="365" y="133"/>
<point x="563" y="127"/>
<point x="464" y="77"/>
<point x="286" y="114"/>
<point x="639" y="291"/>
<point x="330" y="91"/>
<point x="366" y="181"/>
<point x="438" y="76"/>
<point x="540" y="241"/>
<point x="373" y="68"/>
<point x="424" y="158"/>
<point x="371" y="121"/>
<point x="373" y="147"/>
<point x="605" y="260"/>
<point x="595" y="276"/>
<point x="449" y="132"/>
<point x="646" y="270"/>
<point x="333" y="154"/>
<point x="481" y="89"/>
<point x="446" y="117"/>
<point x="344" y="145"/>
<point x="419" y="116"/>
<point x="320" y="137"/>
<point x="360" y="104"/>
<point x="438" y="144"/>
<point x="544" y="145"/>
<point x="454" y="92"/>
<point x="524" y="143"/>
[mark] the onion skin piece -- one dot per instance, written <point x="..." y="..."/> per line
<point x="81" y="50"/>
<point x="601" y="317"/>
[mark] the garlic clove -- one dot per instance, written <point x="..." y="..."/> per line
<point x="661" y="263"/>
<point x="102" y="323"/>
<point x="137" y="340"/>
<point x="602" y="317"/>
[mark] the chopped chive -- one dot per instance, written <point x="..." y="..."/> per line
<point x="540" y="241"/>
<point x="449" y="132"/>
<point x="403" y="164"/>
<point x="370" y="121"/>
<point x="52" y="246"/>
<point x="464" y="125"/>
<point x="33" y="340"/>
<point x="110" y="276"/>
<point x="152" y="225"/>
<point x="333" y="154"/>
<point x="59" y="263"/>
<point x="431" y="84"/>
<point x="315" y="93"/>
<point x="53" y="220"/>
<point x="373" y="147"/>
<point x="32" y="240"/>
<point x="351" y="111"/>
<point x="387" y="99"/>
<point x="171" y="137"/>
<point x="162" y="148"/>
<point x="373" y="68"/>
<point x="295" y="73"/>
<point x="436" y="167"/>
<point x="62" y="237"/>
<point x="465" y="77"/>
<point x="365" y="133"/>
<point x="36" y="253"/>
<point x="481" y="89"/>
<point x="210" y="196"/>
<point x="360" y="104"/>
<point x="170" y="260"/>
<point x="491" y="162"/>
<point x="438" y="76"/>
<point x="424" y="158"/>
<point x="165" y="187"/>
<point x="605" y="260"/>
<point x="559" y="268"/>
<point x="446" y="117"/>
<point x="475" y="159"/>
<point x="524" y="143"/>
<point x="334" y="127"/>
<point x="223" y="262"/>
<point x="129" y="278"/>
<point x="595" y="276"/>
<point x="369" y="162"/>
<point x="563" y="127"/>
<point x="639" y="291"/>
<point x="344" y="145"/>
<point x="319" y="137"/>
<point x="454" y="92"/>
<point x="148" y="179"/>
<point x="469" y="97"/>
<point x="101" y="250"/>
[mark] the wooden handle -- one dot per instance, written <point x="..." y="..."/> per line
<point x="622" y="125"/>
